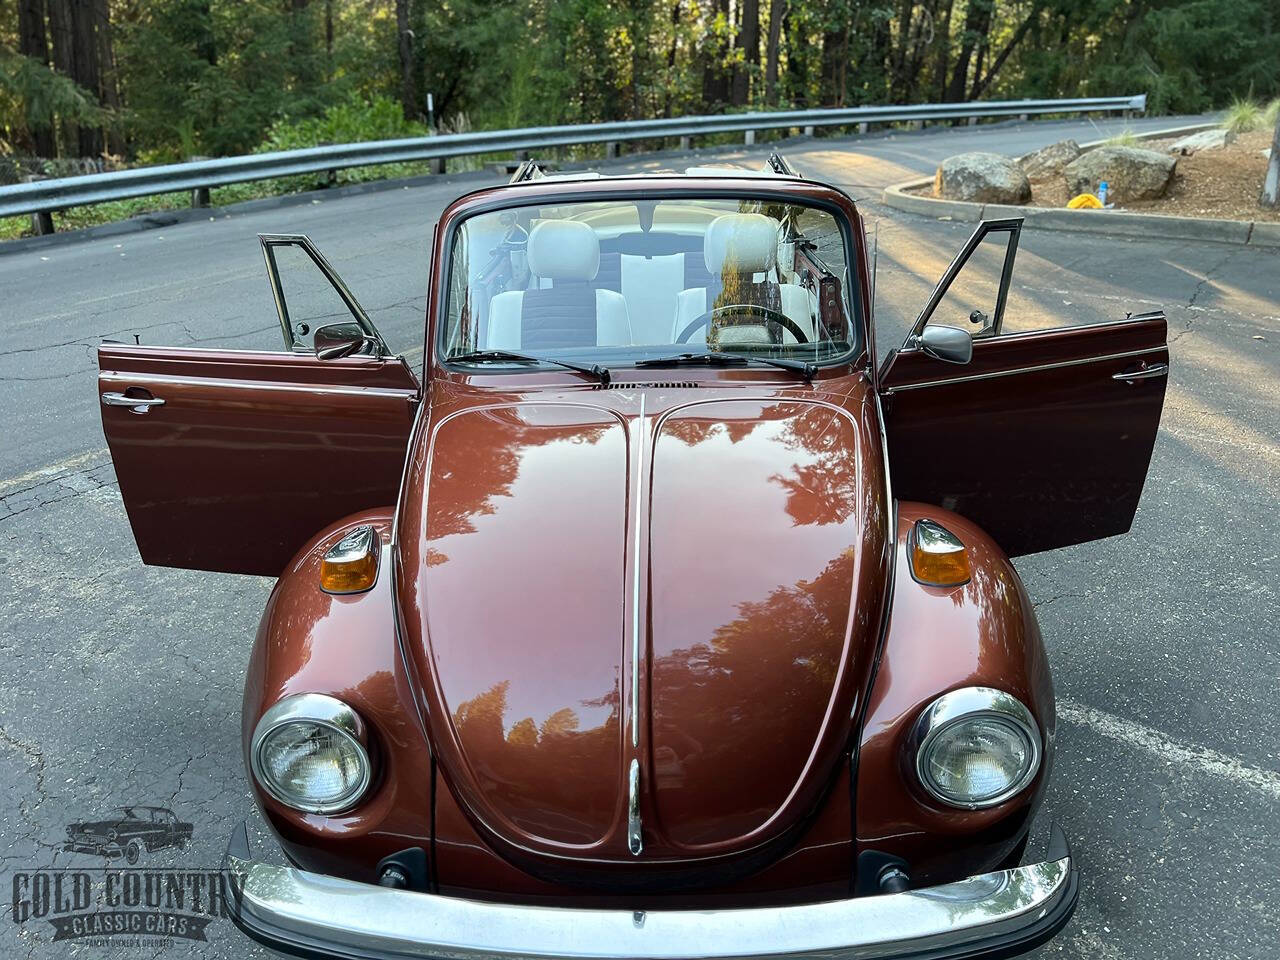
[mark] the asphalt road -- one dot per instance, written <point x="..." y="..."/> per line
<point x="121" y="683"/>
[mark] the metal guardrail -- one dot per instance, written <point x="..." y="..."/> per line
<point x="43" y="197"/>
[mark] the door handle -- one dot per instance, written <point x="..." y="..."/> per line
<point x="1146" y="373"/>
<point x="137" y="404"/>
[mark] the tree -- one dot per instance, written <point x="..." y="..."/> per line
<point x="977" y="24"/>
<point x="773" y="47"/>
<point x="408" y="61"/>
<point x="1270" y="196"/>
<point x="748" y="41"/>
<point x="33" y="43"/>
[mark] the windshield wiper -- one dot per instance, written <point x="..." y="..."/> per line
<point x="507" y="356"/>
<point x="803" y="367"/>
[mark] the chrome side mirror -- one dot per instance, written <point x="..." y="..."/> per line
<point x="942" y="343"/>
<point x="338" y="340"/>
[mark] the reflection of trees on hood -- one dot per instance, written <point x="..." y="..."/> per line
<point x="765" y="676"/>
<point x="478" y="460"/>
<point x="691" y="430"/>
<point x="468" y="474"/>
<point x="535" y="773"/>
<point x="825" y="491"/>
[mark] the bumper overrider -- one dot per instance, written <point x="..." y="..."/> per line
<point x="311" y="915"/>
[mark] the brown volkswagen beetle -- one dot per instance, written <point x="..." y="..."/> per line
<point x="655" y="620"/>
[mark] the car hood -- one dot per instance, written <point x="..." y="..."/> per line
<point x="692" y="588"/>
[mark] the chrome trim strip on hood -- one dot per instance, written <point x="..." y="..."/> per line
<point x="641" y="443"/>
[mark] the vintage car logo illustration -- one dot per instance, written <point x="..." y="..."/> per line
<point x="129" y="832"/>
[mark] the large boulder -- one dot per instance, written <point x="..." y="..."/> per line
<point x="1049" y="161"/>
<point x="1131" y="173"/>
<point x="981" y="178"/>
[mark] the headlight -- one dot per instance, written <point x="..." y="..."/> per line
<point x="310" y="752"/>
<point x="976" y="747"/>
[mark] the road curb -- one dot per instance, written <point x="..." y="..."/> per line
<point x="1110" y="222"/>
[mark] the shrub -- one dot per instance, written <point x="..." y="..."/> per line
<point x="1125" y="138"/>
<point x="1243" y="116"/>
<point x="1271" y="114"/>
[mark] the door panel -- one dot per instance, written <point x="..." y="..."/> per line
<point x="1040" y="439"/>
<point x="249" y="454"/>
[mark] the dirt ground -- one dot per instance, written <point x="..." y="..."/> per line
<point x="1222" y="184"/>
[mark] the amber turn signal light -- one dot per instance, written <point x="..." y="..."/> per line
<point x="351" y="564"/>
<point x="938" y="558"/>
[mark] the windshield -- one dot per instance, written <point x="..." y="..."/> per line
<point x="616" y="282"/>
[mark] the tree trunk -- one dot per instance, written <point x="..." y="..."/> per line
<point x="88" y="70"/>
<point x="834" y="50"/>
<point x="408" y="62"/>
<point x="62" y="42"/>
<point x="328" y="40"/>
<point x="715" y="78"/>
<point x="33" y="42"/>
<point x="749" y="43"/>
<point x="777" y="8"/>
<point x="944" y="48"/>
<point x="1270" y="196"/>
<point x="977" y="21"/>
<point x="980" y="86"/>
<point x="107" y="64"/>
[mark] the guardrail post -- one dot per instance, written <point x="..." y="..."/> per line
<point x="915" y="125"/>
<point x="42" y="223"/>
<point x="200" y="197"/>
<point x="808" y="131"/>
<point x="863" y="127"/>
<point x="41" y="220"/>
<point x="437" y="165"/>
<point x="611" y="150"/>
<point x="973" y="121"/>
<point x="522" y="155"/>
<point x="750" y="138"/>
<point x="686" y="143"/>
<point x="1023" y="118"/>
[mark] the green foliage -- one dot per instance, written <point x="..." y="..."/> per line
<point x="353" y="120"/>
<point x="1271" y="114"/>
<point x="32" y="96"/>
<point x="1243" y="116"/>
<point x="1125" y="138"/>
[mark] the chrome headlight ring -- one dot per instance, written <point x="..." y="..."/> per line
<point x="316" y="710"/>
<point x="966" y="705"/>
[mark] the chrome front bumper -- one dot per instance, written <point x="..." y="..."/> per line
<point x="311" y="915"/>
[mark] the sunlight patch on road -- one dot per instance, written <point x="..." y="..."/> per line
<point x="54" y="468"/>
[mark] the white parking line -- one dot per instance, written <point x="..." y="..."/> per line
<point x="53" y="468"/>
<point x="1170" y="750"/>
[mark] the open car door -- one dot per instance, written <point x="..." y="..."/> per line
<point x="1042" y="438"/>
<point x="230" y="460"/>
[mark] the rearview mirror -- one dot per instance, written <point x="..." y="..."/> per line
<point x="942" y="343"/>
<point x="338" y="340"/>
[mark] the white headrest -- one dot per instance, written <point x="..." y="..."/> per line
<point x="564" y="250"/>
<point x="741" y="243"/>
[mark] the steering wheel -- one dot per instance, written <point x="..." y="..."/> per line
<point x="769" y="316"/>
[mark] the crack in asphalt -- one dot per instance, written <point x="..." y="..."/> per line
<point x="29" y="498"/>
